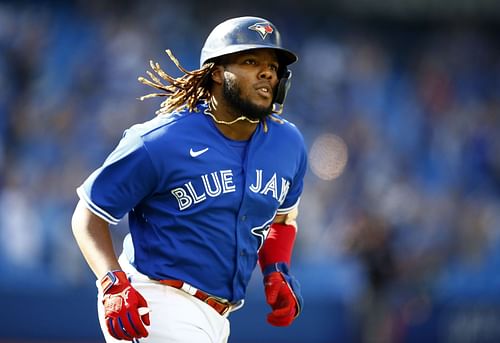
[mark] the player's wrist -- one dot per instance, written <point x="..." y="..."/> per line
<point x="112" y="279"/>
<point x="280" y="267"/>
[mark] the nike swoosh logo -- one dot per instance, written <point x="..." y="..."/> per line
<point x="197" y="153"/>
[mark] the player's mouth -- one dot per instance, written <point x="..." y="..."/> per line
<point x="264" y="90"/>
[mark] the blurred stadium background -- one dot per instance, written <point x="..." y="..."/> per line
<point x="399" y="103"/>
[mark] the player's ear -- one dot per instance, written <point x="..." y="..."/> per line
<point x="217" y="75"/>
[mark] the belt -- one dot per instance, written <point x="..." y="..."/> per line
<point x="219" y="305"/>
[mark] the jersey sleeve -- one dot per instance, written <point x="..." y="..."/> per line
<point x="126" y="177"/>
<point x="293" y="196"/>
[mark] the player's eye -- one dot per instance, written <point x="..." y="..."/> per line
<point x="250" y="61"/>
<point x="274" y="67"/>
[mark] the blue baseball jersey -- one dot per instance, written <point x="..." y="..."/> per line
<point x="199" y="204"/>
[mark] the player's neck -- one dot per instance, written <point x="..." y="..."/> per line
<point x="231" y="124"/>
<point x="239" y="131"/>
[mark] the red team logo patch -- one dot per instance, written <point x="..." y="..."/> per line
<point x="263" y="29"/>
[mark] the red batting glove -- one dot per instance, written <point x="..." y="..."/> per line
<point x="121" y="303"/>
<point x="281" y="299"/>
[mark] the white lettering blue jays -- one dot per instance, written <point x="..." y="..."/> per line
<point x="271" y="186"/>
<point x="221" y="182"/>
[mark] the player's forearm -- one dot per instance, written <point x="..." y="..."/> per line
<point x="289" y="218"/>
<point x="94" y="239"/>
<point x="280" y="240"/>
<point x="278" y="245"/>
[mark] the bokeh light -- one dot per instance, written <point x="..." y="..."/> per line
<point x="328" y="156"/>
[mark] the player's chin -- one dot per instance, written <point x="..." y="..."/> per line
<point x="260" y="112"/>
<point x="263" y="104"/>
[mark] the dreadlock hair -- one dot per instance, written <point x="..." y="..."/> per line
<point x="186" y="90"/>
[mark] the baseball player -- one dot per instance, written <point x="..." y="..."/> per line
<point x="211" y="186"/>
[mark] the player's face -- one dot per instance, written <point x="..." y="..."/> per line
<point x="250" y="80"/>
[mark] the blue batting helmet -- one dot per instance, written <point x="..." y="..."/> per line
<point x="241" y="34"/>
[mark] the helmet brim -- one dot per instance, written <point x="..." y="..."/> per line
<point x="285" y="56"/>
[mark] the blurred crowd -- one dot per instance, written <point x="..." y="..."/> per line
<point x="407" y="202"/>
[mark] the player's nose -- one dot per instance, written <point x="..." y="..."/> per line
<point x="266" y="73"/>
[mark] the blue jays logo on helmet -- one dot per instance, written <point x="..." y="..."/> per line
<point x="263" y="29"/>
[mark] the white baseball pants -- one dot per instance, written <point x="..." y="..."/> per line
<point x="176" y="317"/>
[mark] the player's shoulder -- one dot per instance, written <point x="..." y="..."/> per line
<point x="284" y="127"/>
<point x="161" y="125"/>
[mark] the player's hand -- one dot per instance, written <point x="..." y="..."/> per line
<point x="121" y="307"/>
<point x="282" y="294"/>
